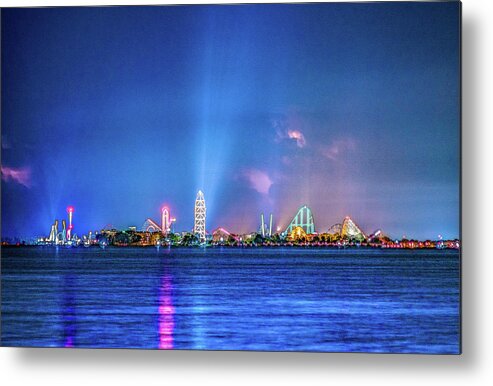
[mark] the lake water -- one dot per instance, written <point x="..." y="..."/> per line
<point x="232" y="299"/>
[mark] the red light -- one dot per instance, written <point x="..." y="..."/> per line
<point x="70" y="209"/>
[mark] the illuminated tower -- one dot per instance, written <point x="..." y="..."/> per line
<point x="70" y="211"/>
<point x="199" y="212"/>
<point x="56" y="231"/>
<point x="262" y="225"/>
<point x="264" y="230"/>
<point x="64" y="232"/>
<point x="165" y="221"/>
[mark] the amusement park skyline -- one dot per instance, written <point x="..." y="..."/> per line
<point x="351" y="109"/>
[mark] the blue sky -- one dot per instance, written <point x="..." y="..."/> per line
<point x="352" y="109"/>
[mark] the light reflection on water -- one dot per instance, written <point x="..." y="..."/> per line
<point x="166" y="312"/>
<point x="68" y="311"/>
<point x="232" y="299"/>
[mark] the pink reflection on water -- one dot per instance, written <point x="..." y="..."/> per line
<point x="68" y="311"/>
<point x="69" y="342"/>
<point x="166" y="314"/>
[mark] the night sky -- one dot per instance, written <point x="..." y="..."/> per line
<point x="351" y="109"/>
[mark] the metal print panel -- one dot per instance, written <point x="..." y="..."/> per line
<point x="268" y="177"/>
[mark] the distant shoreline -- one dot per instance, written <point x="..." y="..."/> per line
<point x="198" y="247"/>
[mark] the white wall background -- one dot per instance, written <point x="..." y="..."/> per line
<point x="126" y="367"/>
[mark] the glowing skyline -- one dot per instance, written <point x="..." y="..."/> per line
<point x="265" y="108"/>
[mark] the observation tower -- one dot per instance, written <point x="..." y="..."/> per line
<point x="199" y="216"/>
<point x="70" y="212"/>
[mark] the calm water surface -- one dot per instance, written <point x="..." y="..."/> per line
<point x="231" y="299"/>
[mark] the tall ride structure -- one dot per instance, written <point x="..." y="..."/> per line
<point x="304" y="220"/>
<point x="55" y="228"/>
<point x="70" y="211"/>
<point x="263" y="226"/>
<point x="165" y="221"/>
<point x="64" y="232"/>
<point x="350" y="230"/>
<point x="53" y="233"/>
<point x="199" y="216"/>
